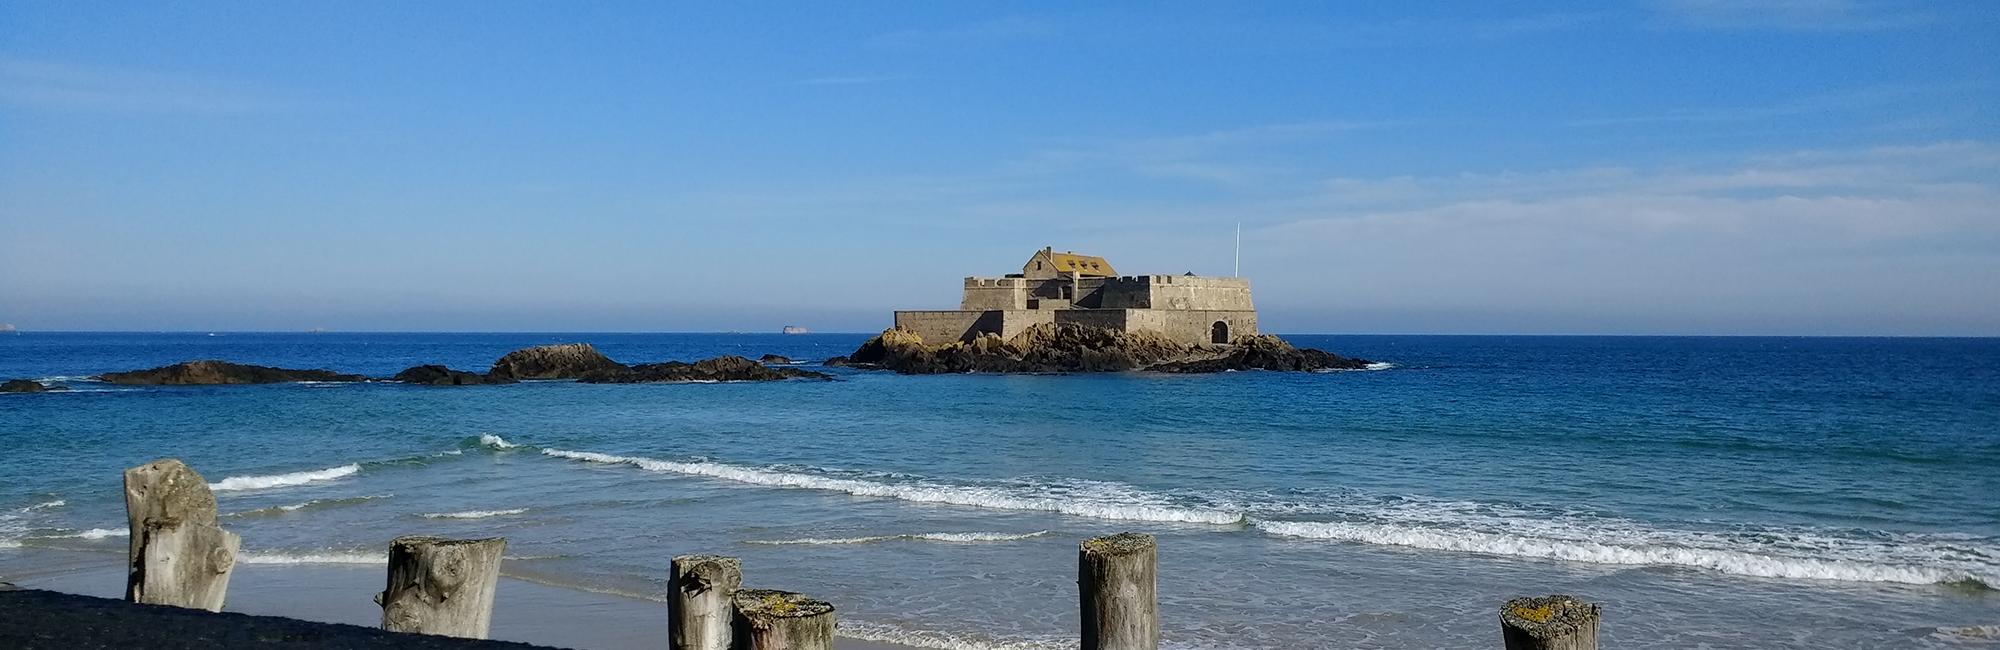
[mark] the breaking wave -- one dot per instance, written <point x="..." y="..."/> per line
<point x="235" y="483"/>
<point x="1981" y="634"/>
<point x="1789" y="555"/>
<point x="496" y="442"/>
<point x="474" y="514"/>
<point x="95" y="533"/>
<point x="914" y="537"/>
<point x="1084" y="499"/>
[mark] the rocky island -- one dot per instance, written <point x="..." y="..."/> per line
<point x="578" y="361"/>
<point x="203" y="373"/>
<point x="1067" y="312"/>
<point x="1067" y="347"/>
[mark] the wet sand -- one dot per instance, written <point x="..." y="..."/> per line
<point x="523" y="611"/>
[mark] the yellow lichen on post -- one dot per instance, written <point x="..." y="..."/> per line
<point x="1539" y="614"/>
<point x="1555" y="622"/>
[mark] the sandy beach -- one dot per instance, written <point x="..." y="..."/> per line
<point x="524" y="611"/>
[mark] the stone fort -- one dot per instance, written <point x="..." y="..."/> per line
<point x="1083" y="289"/>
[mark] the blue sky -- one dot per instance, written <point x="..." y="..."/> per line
<point x="1671" y="166"/>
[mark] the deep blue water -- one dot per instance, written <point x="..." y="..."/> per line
<point x="1734" y="492"/>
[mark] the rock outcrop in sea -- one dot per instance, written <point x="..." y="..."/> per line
<point x="434" y="375"/>
<point x="564" y="361"/>
<point x="774" y="358"/>
<point x="204" y="373"/>
<point x="1068" y="347"/>
<point x="726" y="368"/>
<point x="28" y="386"/>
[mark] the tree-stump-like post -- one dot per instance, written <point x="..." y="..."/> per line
<point x="177" y="554"/>
<point x="768" y="619"/>
<point x="1117" y="589"/>
<point x="701" y="601"/>
<point x="1549" y="623"/>
<point x="441" y="586"/>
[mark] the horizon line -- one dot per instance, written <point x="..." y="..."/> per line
<point x="871" y="333"/>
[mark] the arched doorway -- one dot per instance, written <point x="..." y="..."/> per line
<point x="1219" y="332"/>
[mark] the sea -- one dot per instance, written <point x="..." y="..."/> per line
<point x="1707" y="492"/>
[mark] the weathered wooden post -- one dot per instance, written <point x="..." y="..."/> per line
<point x="1549" y="623"/>
<point x="1116" y="582"/>
<point x="768" y="619"/>
<point x="177" y="554"/>
<point x="441" y="586"/>
<point x="701" y="601"/>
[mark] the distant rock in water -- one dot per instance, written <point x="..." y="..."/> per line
<point x="836" y="362"/>
<point x="565" y="361"/>
<point x="1068" y="347"/>
<point x="202" y="373"/>
<point x="774" y="358"/>
<point x="441" y="376"/>
<point x="24" y="386"/>
<point x="729" y="368"/>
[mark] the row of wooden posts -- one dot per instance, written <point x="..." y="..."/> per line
<point x="180" y="556"/>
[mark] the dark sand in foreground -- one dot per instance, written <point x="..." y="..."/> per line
<point x="523" y="611"/>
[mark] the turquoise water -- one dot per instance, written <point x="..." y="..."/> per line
<point x="1732" y="492"/>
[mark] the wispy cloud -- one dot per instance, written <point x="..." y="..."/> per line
<point x="1802" y="15"/>
<point x="69" y="86"/>
<point x="1873" y="97"/>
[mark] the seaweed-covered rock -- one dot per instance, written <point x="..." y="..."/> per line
<point x="726" y="368"/>
<point x="203" y="373"/>
<point x="564" y="361"/>
<point x="1068" y="347"/>
<point x="1265" y="352"/>
<point x="434" y="375"/>
<point x="22" y="386"/>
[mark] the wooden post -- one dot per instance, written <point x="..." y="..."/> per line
<point x="768" y="619"/>
<point x="177" y="554"/>
<point x="441" y="586"/>
<point x="1549" y="623"/>
<point x="701" y="605"/>
<point x="1116" y="582"/>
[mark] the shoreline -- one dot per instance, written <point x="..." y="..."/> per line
<point x="525" y="610"/>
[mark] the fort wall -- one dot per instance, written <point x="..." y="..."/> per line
<point x="1176" y="292"/>
<point x="940" y="327"/>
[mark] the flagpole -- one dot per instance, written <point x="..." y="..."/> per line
<point x="1238" y="272"/>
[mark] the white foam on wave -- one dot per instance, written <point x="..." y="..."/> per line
<point x="867" y="631"/>
<point x="313" y="557"/>
<point x="95" y="533"/>
<point x="235" y="483"/>
<point x="58" y="503"/>
<point x="1379" y="365"/>
<point x="496" y="442"/>
<point x="1595" y="551"/>
<point x="474" y="514"/>
<point x="1094" y="500"/>
<point x="1981" y="634"/>
<point x="909" y="537"/>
